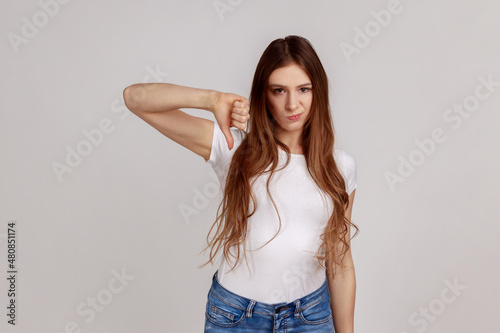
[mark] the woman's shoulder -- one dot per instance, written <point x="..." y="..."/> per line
<point x="342" y="156"/>
<point x="220" y="155"/>
<point x="238" y="134"/>
<point x="347" y="165"/>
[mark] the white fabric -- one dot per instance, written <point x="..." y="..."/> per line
<point x="285" y="268"/>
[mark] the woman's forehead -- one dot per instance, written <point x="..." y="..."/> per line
<point x="289" y="76"/>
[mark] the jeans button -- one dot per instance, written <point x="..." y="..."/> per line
<point x="278" y="310"/>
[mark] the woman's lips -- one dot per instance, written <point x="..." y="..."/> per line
<point x="295" y="117"/>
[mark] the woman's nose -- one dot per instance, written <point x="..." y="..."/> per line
<point x="291" y="103"/>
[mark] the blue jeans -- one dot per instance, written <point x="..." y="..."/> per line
<point x="229" y="312"/>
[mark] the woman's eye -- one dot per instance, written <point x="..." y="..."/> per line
<point x="304" y="89"/>
<point x="278" y="90"/>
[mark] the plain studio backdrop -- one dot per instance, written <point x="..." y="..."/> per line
<point x="110" y="215"/>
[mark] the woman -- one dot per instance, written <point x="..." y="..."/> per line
<point x="287" y="193"/>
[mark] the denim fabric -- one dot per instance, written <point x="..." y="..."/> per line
<point x="229" y="312"/>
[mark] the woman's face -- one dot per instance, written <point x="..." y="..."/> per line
<point x="289" y="93"/>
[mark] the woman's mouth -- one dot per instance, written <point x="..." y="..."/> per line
<point x="295" y="117"/>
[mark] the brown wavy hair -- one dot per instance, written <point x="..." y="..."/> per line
<point x="259" y="150"/>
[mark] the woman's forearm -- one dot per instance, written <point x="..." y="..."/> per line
<point x="156" y="97"/>
<point x="342" y="295"/>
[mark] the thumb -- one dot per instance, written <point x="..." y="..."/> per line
<point x="229" y="137"/>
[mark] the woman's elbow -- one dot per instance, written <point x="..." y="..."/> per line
<point x="130" y="95"/>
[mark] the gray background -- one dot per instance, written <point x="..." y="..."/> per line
<point x="120" y="206"/>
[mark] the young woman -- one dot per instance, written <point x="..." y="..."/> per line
<point x="287" y="193"/>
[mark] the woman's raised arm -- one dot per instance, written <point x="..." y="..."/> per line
<point x="158" y="104"/>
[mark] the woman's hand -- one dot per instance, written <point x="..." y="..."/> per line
<point x="230" y="110"/>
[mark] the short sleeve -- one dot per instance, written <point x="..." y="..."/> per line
<point x="347" y="165"/>
<point x="220" y="155"/>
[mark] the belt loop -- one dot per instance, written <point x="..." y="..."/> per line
<point x="297" y="306"/>
<point x="249" y="308"/>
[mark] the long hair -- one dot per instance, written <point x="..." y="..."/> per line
<point x="259" y="150"/>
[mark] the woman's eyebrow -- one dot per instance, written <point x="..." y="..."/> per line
<point x="282" y="86"/>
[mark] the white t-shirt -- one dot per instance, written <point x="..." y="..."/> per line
<point x="284" y="269"/>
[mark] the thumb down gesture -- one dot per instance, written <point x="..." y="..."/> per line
<point x="231" y="110"/>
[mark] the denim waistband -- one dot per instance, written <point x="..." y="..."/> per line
<point x="252" y="306"/>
